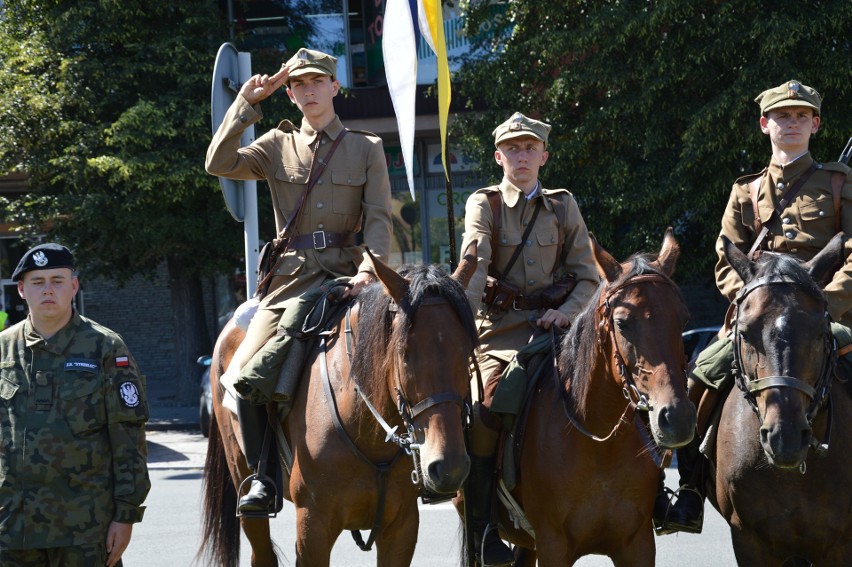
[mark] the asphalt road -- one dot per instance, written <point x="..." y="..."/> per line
<point x="169" y="535"/>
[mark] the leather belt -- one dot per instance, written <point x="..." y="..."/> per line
<point x="532" y="303"/>
<point x="320" y="240"/>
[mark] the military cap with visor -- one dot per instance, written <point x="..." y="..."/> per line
<point x="311" y="61"/>
<point x="518" y="126"/>
<point x="44" y="257"/>
<point x="790" y="93"/>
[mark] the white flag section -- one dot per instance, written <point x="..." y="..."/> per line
<point x="399" y="48"/>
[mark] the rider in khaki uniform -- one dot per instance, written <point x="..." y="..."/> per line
<point x="790" y="114"/>
<point x="351" y="195"/>
<point x="557" y="246"/>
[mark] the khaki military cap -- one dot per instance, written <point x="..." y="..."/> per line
<point x="519" y="125"/>
<point x="791" y="93"/>
<point x="310" y="61"/>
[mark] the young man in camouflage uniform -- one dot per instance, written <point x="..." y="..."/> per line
<point x="73" y="472"/>
<point x="351" y="195"/>
<point x="790" y="115"/>
<point x="557" y="246"/>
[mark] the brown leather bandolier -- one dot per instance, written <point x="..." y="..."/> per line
<point x="274" y="251"/>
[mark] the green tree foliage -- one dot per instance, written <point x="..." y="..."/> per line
<point x="651" y="102"/>
<point x="106" y="106"/>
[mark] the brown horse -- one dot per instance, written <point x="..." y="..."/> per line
<point x="587" y="479"/>
<point x="783" y="503"/>
<point x="400" y="355"/>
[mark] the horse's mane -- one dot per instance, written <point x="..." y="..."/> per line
<point x="770" y="263"/>
<point x="579" y="348"/>
<point x="379" y="340"/>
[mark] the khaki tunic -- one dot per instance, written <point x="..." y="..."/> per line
<point x="807" y="224"/>
<point x="352" y="194"/>
<point x="502" y="334"/>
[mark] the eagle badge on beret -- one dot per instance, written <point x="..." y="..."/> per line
<point x="40" y="259"/>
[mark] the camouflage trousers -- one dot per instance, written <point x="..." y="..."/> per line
<point x="713" y="366"/>
<point x="93" y="555"/>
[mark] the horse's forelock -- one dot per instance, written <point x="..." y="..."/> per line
<point x="378" y="339"/>
<point x="784" y="264"/>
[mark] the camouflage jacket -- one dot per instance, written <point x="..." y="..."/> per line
<point x="72" y="435"/>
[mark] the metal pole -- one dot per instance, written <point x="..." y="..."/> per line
<point x="451" y="219"/>
<point x="250" y="225"/>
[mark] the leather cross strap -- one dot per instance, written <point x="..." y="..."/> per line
<point x="782" y="204"/>
<point x="494" y="200"/>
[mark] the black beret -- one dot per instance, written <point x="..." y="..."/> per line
<point x="44" y="257"/>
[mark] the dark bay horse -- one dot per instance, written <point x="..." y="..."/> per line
<point x="587" y="480"/>
<point x="786" y="505"/>
<point x="405" y="345"/>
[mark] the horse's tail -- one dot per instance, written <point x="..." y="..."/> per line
<point x="220" y="543"/>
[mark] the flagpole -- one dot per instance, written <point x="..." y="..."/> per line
<point x="451" y="218"/>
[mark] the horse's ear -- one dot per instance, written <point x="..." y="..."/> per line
<point x="608" y="267"/>
<point x="738" y="260"/>
<point x="669" y="253"/>
<point x="822" y="266"/>
<point x="395" y="284"/>
<point x="467" y="266"/>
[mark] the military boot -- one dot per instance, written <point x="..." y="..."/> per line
<point x="491" y="551"/>
<point x="260" y="499"/>
<point x="687" y="513"/>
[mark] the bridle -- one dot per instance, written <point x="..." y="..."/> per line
<point x="408" y="411"/>
<point x="636" y="400"/>
<point x="819" y="392"/>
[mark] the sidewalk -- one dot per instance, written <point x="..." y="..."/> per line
<point x="173" y="432"/>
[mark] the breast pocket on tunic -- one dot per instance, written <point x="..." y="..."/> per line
<point x="348" y="191"/>
<point x="817" y="214"/>
<point x="747" y="215"/>
<point x="82" y="401"/>
<point x="548" y="244"/>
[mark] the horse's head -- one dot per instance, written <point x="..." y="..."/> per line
<point x="783" y="348"/>
<point x="641" y="315"/>
<point x="432" y="339"/>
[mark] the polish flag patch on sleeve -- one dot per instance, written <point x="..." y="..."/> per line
<point x="122" y="361"/>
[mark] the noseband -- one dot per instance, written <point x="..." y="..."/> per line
<point x="818" y="393"/>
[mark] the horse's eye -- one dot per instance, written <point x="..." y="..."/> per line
<point x="621" y="324"/>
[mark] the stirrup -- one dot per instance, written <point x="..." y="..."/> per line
<point x="488" y="528"/>
<point x="659" y="521"/>
<point x="671" y="525"/>
<point x="270" y="513"/>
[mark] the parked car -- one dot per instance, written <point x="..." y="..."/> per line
<point x="696" y="340"/>
<point x="205" y="405"/>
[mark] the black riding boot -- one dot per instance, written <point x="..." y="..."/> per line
<point x="687" y="514"/>
<point x="490" y="549"/>
<point x="253" y="423"/>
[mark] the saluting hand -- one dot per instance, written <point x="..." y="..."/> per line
<point x="260" y="87"/>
